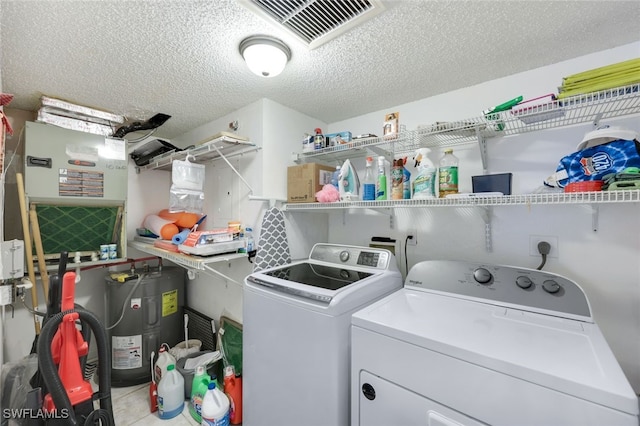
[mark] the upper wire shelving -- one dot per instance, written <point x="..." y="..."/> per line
<point x="554" y="113"/>
<point x="579" y="109"/>
<point x="224" y="147"/>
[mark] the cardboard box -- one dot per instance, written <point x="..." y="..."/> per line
<point x="305" y="180"/>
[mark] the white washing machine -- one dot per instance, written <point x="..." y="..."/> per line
<point x="475" y="344"/>
<point x="296" y="325"/>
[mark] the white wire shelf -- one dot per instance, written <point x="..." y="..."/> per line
<point x="602" y="197"/>
<point x="187" y="261"/>
<point x="73" y="265"/>
<point x="591" y="107"/>
<point x="223" y="146"/>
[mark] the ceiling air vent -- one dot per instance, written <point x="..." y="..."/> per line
<point x="314" y="22"/>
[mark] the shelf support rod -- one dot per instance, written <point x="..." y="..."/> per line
<point x="596" y="120"/>
<point x="595" y="212"/>
<point x="234" y="170"/>
<point x="215" y="271"/>
<point x="272" y="201"/>
<point x="482" y="143"/>
<point x="487" y="215"/>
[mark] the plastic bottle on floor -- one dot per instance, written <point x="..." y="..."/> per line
<point x="164" y="360"/>
<point x="199" y="387"/>
<point x="233" y="390"/>
<point x="215" y="407"/>
<point x="170" y="394"/>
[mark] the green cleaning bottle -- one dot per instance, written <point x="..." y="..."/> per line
<point x="199" y="387"/>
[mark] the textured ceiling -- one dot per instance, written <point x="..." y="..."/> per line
<point x="138" y="58"/>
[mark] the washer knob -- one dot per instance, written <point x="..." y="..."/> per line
<point x="344" y="255"/>
<point x="523" y="282"/>
<point x="482" y="275"/>
<point x="550" y="286"/>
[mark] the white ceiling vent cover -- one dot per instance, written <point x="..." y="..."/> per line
<point x="315" y="22"/>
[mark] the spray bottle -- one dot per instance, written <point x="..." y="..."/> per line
<point x="425" y="181"/>
<point x="381" y="182"/>
<point x="406" y="180"/>
<point x="318" y="139"/>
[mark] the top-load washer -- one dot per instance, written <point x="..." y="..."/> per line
<point x="296" y="324"/>
<point x="474" y="344"/>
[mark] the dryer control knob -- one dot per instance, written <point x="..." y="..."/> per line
<point x="550" y="286"/>
<point x="344" y="255"/>
<point x="482" y="275"/>
<point x="523" y="282"/>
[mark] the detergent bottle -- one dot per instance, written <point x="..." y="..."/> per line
<point x="199" y="387"/>
<point x="448" y="173"/>
<point x="425" y="182"/>
<point x="170" y="393"/>
<point x="397" y="176"/>
<point x="233" y="390"/>
<point x="215" y="407"/>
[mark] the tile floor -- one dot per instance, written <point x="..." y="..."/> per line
<point x="131" y="407"/>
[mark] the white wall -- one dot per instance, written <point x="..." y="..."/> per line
<point x="605" y="262"/>
<point x="278" y="130"/>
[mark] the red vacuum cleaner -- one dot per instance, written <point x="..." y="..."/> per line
<point x="60" y="349"/>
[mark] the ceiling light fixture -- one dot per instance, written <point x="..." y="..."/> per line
<point x="265" y="56"/>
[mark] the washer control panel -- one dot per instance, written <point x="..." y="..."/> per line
<point x="506" y="285"/>
<point x="353" y="256"/>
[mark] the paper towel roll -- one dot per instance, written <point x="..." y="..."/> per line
<point x="180" y="237"/>
<point x="164" y="228"/>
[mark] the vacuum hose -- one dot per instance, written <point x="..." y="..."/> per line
<point x="50" y="372"/>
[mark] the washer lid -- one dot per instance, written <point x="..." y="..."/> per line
<point x="558" y="353"/>
<point x="318" y="275"/>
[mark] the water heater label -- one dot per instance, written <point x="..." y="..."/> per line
<point x="127" y="352"/>
<point x="169" y="302"/>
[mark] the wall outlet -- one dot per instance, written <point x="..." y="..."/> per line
<point x="413" y="241"/>
<point x="535" y="239"/>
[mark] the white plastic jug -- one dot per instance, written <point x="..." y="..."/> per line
<point x="215" y="407"/>
<point x="170" y="393"/>
<point x="164" y="360"/>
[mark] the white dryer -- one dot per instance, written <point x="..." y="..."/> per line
<point x="296" y="324"/>
<point x="474" y="344"/>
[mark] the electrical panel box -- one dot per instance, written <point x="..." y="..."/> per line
<point x="76" y="182"/>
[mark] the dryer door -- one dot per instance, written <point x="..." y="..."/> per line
<point x="409" y="409"/>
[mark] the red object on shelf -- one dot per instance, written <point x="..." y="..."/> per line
<point x="166" y="245"/>
<point x="586" y="186"/>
